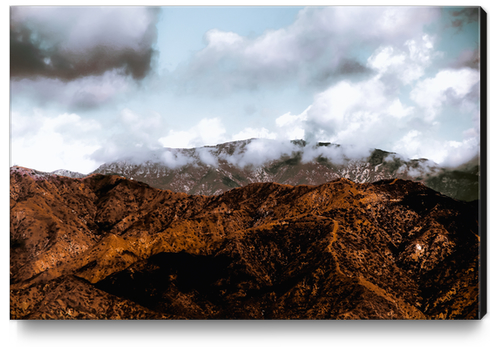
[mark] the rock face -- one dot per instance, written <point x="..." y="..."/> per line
<point x="107" y="247"/>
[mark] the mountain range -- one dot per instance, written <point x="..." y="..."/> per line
<point x="216" y="169"/>
<point x="111" y="247"/>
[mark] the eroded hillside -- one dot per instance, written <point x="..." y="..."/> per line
<point x="107" y="247"/>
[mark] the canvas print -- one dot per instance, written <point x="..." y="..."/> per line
<point x="246" y="163"/>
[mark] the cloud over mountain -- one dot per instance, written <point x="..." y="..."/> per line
<point x="402" y="79"/>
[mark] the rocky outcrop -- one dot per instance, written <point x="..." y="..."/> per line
<point x="107" y="247"/>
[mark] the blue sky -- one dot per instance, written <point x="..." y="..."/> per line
<point x="93" y="85"/>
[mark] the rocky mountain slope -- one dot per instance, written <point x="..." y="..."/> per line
<point x="216" y="169"/>
<point x="107" y="247"/>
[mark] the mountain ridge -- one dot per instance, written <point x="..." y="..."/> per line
<point x="211" y="170"/>
<point x="393" y="249"/>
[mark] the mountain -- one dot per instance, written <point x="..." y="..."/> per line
<point x="68" y="173"/>
<point x="107" y="247"/>
<point x="213" y="170"/>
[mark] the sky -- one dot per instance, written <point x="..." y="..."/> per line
<point x="91" y="85"/>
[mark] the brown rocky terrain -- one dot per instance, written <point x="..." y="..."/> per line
<point x="107" y="247"/>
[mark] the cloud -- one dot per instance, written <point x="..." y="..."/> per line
<point x="468" y="58"/>
<point x="337" y="155"/>
<point x="367" y="114"/>
<point x="292" y="127"/>
<point x="353" y="114"/>
<point x="319" y="48"/>
<point x="249" y="133"/>
<point x="51" y="143"/>
<point x="207" y="156"/>
<point x="174" y="159"/>
<point x="432" y="93"/>
<point x="68" y="43"/>
<point x="84" y="93"/>
<point x="130" y="135"/>
<point x="444" y="152"/>
<point x="407" y="63"/>
<point x="464" y="16"/>
<point x="24" y="126"/>
<point x="260" y="151"/>
<point x="206" y="132"/>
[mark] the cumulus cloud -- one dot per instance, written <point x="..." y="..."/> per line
<point x="73" y="42"/>
<point x="80" y="58"/>
<point x="354" y="114"/>
<point x="406" y="63"/>
<point x="317" y="47"/>
<point x="432" y="93"/>
<point x="337" y="155"/>
<point x="364" y="115"/>
<point x="292" y="127"/>
<point x="446" y="153"/>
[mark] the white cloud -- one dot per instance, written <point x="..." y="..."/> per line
<point x="292" y="127"/>
<point x="55" y="144"/>
<point x="408" y="62"/>
<point x="206" y="132"/>
<point x="82" y="93"/>
<point x="260" y="151"/>
<point x="249" y="133"/>
<point x="220" y="40"/>
<point x="349" y="113"/>
<point x="384" y="58"/>
<point x="444" y="152"/>
<point x="397" y="110"/>
<point x="432" y="93"/>
<point x="316" y="47"/>
<point x="23" y="126"/>
<point x="174" y="160"/>
<point x="207" y="156"/>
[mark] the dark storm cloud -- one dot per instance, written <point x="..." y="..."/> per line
<point x="465" y="16"/>
<point x="349" y="67"/>
<point x="68" y="43"/>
